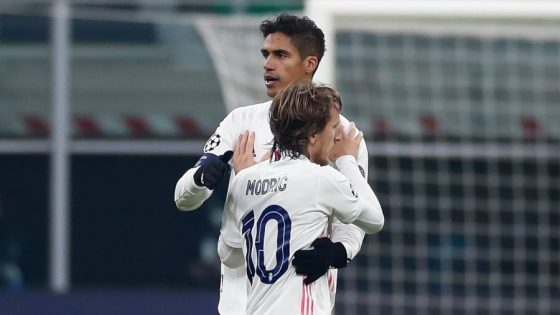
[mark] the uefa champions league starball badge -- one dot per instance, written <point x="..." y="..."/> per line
<point x="212" y="143"/>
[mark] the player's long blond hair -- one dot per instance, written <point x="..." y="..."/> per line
<point x="298" y="112"/>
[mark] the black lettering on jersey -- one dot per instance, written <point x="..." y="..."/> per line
<point x="283" y="183"/>
<point x="273" y="185"/>
<point x="250" y="187"/>
<point x="258" y="187"/>
<point x="362" y="171"/>
<point x="354" y="193"/>
<point x="265" y="186"/>
<point x="212" y="143"/>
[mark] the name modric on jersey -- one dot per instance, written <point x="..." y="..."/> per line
<point x="266" y="185"/>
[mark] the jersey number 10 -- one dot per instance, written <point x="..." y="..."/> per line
<point x="280" y="215"/>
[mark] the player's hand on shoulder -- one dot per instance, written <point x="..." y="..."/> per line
<point x="212" y="169"/>
<point x="348" y="143"/>
<point x="244" y="149"/>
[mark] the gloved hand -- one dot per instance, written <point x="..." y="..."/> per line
<point x="316" y="262"/>
<point x="212" y="169"/>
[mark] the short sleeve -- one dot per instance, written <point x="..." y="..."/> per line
<point x="336" y="193"/>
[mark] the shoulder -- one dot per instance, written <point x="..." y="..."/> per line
<point x="330" y="181"/>
<point x="250" y="110"/>
<point x="306" y="168"/>
<point x="330" y="173"/>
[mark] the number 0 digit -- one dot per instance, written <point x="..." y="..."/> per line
<point x="282" y="218"/>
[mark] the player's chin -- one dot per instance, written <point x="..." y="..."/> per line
<point x="323" y="161"/>
<point x="274" y="87"/>
<point x="272" y="91"/>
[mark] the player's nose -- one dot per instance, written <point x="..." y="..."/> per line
<point x="268" y="64"/>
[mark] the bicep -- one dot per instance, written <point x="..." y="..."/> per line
<point x="349" y="235"/>
<point x="339" y="195"/>
<point x="224" y="137"/>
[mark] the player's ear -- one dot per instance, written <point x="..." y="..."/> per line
<point x="312" y="139"/>
<point x="310" y="63"/>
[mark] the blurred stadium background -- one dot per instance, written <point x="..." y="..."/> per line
<point x="105" y="103"/>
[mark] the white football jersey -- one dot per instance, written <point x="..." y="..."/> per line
<point x="275" y="209"/>
<point x="189" y="196"/>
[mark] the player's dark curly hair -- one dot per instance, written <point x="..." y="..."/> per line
<point x="308" y="39"/>
<point x="299" y="111"/>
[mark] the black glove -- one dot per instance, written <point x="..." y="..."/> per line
<point x="212" y="169"/>
<point x="316" y="262"/>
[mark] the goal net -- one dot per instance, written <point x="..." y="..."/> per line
<point x="234" y="43"/>
<point x="458" y="101"/>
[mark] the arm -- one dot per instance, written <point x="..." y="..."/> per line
<point x="230" y="256"/>
<point x="197" y="184"/>
<point x="346" y="238"/>
<point x="364" y="210"/>
<point x="370" y="217"/>
<point x="359" y="206"/>
<point x="188" y="195"/>
<point x="229" y="243"/>
<point x="350" y="235"/>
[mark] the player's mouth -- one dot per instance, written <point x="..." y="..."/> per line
<point x="270" y="80"/>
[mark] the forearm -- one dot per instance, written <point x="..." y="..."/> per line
<point x="349" y="235"/>
<point x="371" y="218"/>
<point x="188" y="195"/>
<point x="230" y="256"/>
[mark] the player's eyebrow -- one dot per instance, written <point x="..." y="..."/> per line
<point x="277" y="52"/>
<point x="281" y="51"/>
